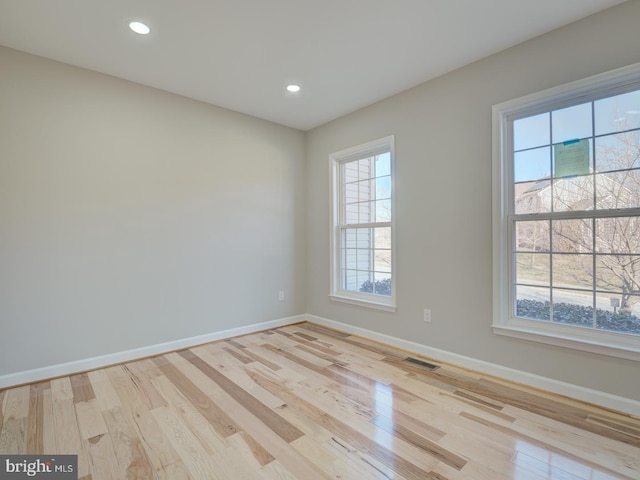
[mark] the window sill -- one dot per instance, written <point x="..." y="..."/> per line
<point x="604" y="343"/>
<point x="363" y="302"/>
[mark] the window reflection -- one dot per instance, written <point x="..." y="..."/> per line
<point x="383" y="405"/>
<point x="530" y="458"/>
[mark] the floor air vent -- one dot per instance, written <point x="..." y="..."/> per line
<point x="415" y="361"/>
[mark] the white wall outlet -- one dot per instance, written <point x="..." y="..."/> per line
<point x="427" y="315"/>
<point x="281" y="295"/>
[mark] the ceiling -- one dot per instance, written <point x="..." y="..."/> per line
<point x="241" y="54"/>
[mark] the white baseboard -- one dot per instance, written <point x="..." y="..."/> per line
<point x="69" y="368"/>
<point x="621" y="404"/>
<point x="603" y="399"/>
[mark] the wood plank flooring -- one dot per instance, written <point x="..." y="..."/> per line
<point x="304" y="402"/>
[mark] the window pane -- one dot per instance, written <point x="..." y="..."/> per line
<point x="577" y="158"/>
<point x="618" y="273"/>
<point x="364" y="238"/>
<point x="618" y="190"/>
<point x="365" y="212"/>
<point x="382" y="237"/>
<point x="533" y="197"/>
<point x="571" y="123"/>
<point x="573" y="308"/>
<point x="382" y="284"/>
<point x="350" y="258"/>
<point x="533" y="269"/>
<point x="383" y="188"/>
<point x="351" y="213"/>
<point x="532" y="236"/>
<point x="573" y="271"/>
<point x="351" y="193"/>
<point x="383" y="211"/>
<point x="608" y="302"/>
<point x="364" y="280"/>
<point x="356" y="242"/>
<point x="382" y="261"/>
<point x="618" y="313"/>
<point x="618" y="235"/>
<point x="618" y="152"/>
<point x="532" y="164"/>
<point x="383" y="164"/>
<point x="349" y="280"/>
<point x="364" y="190"/>
<point x="364" y="257"/>
<point x="350" y="172"/>
<point x="572" y="236"/>
<point x="364" y="168"/>
<point x="531" y="132"/>
<point x="533" y="302"/>
<point x="573" y="194"/>
<point x="615" y="114"/>
<point x="349" y="236"/>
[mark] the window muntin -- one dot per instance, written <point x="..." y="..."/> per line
<point x="567" y="230"/>
<point x="363" y="225"/>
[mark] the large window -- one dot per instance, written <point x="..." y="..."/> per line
<point x="567" y="215"/>
<point x="362" y="219"/>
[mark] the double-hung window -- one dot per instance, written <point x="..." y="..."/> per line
<point x="567" y="215"/>
<point x="362" y="225"/>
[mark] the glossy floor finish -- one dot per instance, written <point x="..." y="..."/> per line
<point x="303" y="402"/>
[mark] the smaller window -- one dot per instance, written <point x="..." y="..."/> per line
<point x="362" y="225"/>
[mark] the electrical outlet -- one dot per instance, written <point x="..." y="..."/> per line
<point x="281" y="295"/>
<point x="427" y="315"/>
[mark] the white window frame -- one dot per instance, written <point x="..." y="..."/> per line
<point x="337" y="293"/>
<point x="504" y="321"/>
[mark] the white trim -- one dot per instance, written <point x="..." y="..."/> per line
<point x="596" y="397"/>
<point x="69" y="368"/>
<point x="579" y="88"/>
<point x="365" y="302"/>
<point x="500" y="239"/>
<point x="601" y="342"/>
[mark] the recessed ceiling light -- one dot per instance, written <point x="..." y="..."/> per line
<point x="139" y="27"/>
<point x="293" y="88"/>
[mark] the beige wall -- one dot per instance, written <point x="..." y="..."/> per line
<point x="443" y="197"/>
<point x="131" y="217"/>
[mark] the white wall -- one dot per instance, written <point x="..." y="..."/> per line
<point x="131" y="217"/>
<point x="443" y="197"/>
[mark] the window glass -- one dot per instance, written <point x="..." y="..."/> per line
<point x="573" y="194"/>
<point x="618" y="113"/>
<point x="620" y="151"/>
<point x="534" y="164"/>
<point x="531" y="132"/>
<point x="572" y="123"/>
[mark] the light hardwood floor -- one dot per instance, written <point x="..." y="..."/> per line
<point x="304" y="402"/>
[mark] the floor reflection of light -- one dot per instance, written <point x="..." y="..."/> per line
<point x="383" y="405"/>
<point x="550" y="465"/>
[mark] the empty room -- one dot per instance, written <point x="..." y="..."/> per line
<point x="298" y="240"/>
